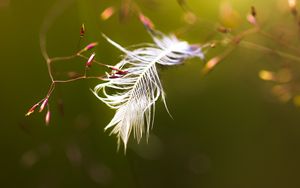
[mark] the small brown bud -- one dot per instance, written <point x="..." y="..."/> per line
<point x="253" y="11"/>
<point x="223" y="29"/>
<point x="82" y="30"/>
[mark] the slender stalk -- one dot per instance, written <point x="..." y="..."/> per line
<point x="53" y="59"/>
<point x="255" y="46"/>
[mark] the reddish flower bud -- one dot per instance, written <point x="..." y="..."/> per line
<point x="251" y="19"/>
<point x="45" y="102"/>
<point x="32" y="109"/>
<point x="47" y="117"/>
<point x="118" y="71"/>
<point x="90" y="60"/>
<point x="146" y="21"/>
<point x="121" y="72"/>
<point x="90" y="46"/>
<point x="252" y="16"/>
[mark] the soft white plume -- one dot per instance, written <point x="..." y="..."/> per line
<point x="134" y="86"/>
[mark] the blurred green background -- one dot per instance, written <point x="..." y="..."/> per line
<point x="228" y="129"/>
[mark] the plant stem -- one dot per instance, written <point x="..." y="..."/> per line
<point x="254" y="46"/>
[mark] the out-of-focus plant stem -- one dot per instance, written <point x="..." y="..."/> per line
<point x="255" y="46"/>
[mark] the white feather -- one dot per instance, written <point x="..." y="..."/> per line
<point x="133" y="95"/>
